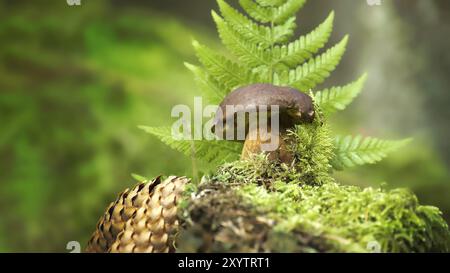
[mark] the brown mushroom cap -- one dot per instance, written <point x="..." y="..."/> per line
<point x="295" y="107"/>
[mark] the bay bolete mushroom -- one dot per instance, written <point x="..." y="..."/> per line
<point x="284" y="107"/>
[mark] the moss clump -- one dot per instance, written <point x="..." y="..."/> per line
<point x="238" y="215"/>
<point x="260" y="205"/>
<point x="312" y="148"/>
<point x="394" y="220"/>
<point x="219" y="219"/>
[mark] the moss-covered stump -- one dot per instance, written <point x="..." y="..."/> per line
<point x="260" y="206"/>
<point x="220" y="220"/>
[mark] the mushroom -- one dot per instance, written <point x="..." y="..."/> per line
<point x="285" y="107"/>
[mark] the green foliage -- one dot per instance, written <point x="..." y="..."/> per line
<point x="352" y="151"/>
<point x="72" y="94"/>
<point x="338" y="98"/>
<point x="73" y="88"/>
<point x="212" y="91"/>
<point x="264" y="36"/>
<point x="347" y="218"/>
<point x="277" y="13"/>
<point x="247" y="52"/>
<point x="306" y="46"/>
<point x="271" y="3"/>
<point x="313" y="147"/>
<point x="139" y="178"/>
<point x="263" y="48"/>
<point x="222" y="69"/>
<point x="308" y="75"/>
<point x="303" y="196"/>
<point x="258" y="169"/>
<point x="209" y="152"/>
<point x="260" y="52"/>
<point x="352" y="219"/>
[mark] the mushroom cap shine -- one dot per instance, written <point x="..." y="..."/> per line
<point x="295" y="107"/>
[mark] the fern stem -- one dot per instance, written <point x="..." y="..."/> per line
<point x="194" y="163"/>
<point x="272" y="46"/>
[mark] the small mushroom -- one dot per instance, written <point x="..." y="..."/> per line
<point x="294" y="107"/>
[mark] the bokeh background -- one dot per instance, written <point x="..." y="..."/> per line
<point x="76" y="81"/>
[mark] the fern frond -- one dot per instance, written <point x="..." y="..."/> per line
<point x="338" y="98"/>
<point x="287" y="10"/>
<point x="257" y="12"/>
<point x="240" y="23"/>
<point x="210" y="152"/>
<point x="271" y="3"/>
<point x="303" y="49"/>
<point x="314" y="72"/>
<point x="274" y="14"/>
<point x="249" y="54"/>
<point x="212" y="90"/>
<point x="282" y="33"/>
<point x="139" y="178"/>
<point x="352" y="151"/>
<point x="225" y="71"/>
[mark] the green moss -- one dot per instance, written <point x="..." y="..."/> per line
<point x="349" y="215"/>
<point x="304" y="198"/>
<point x="309" y="211"/>
<point x="312" y="147"/>
<point x="334" y="218"/>
<point x="219" y="219"/>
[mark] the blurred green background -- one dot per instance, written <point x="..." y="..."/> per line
<point x="76" y="81"/>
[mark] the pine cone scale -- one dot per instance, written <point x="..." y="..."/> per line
<point x="143" y="219"/>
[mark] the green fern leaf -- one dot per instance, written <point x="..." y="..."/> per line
<point x="212" y="91"/>
<point x="271" y="3"/>
<point x="287" y="10"/>
<point x="257" y="12"/>
<point x="314" y="72"/>
<point x="212" y="153"/>
<point x="276" y="15"/>
<point x="303" y="49"/>
<point x="225" y="71"/>
<point x="240" y="23"/>
<point x="353" y="151"/>
<point x="263" y="36"/>
<point x="139" y="178"/>
<point x="338" y="98"/>
<point x="249" y="54"/>
<point x="282" y="33"/>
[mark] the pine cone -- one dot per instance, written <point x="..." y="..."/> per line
<point x="141" y="220"/>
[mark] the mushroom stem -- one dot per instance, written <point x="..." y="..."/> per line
<point x="254" y="145"/>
